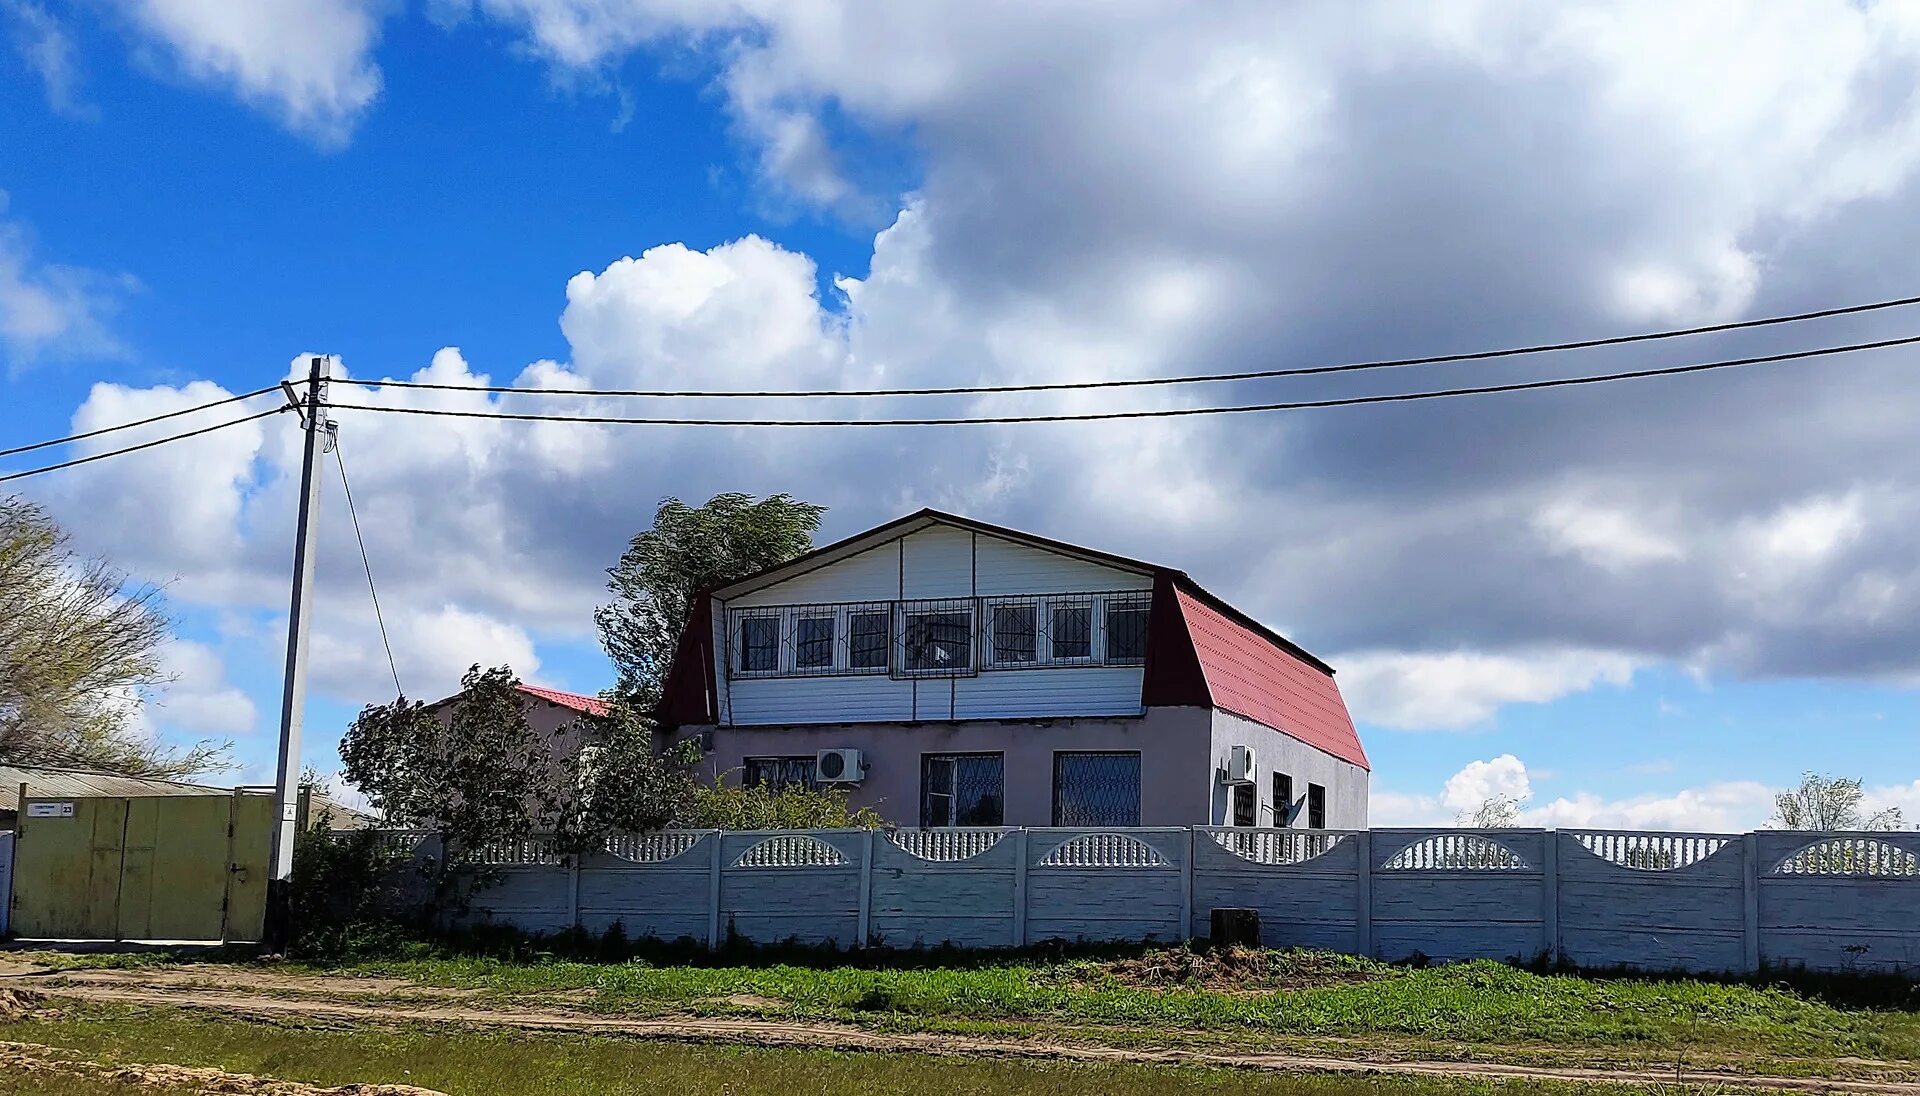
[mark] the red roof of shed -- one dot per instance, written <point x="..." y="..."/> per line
<point x="1250" y="675"/>
<point x="586" y="705"/>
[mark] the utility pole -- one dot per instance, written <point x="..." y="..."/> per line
<point x="276" y="933"/>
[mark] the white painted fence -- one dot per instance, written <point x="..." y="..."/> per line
<point x="1601" y="899"/>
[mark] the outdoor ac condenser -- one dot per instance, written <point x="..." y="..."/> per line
<point x="844" y="766"/>
<point x="1240" y="765"/>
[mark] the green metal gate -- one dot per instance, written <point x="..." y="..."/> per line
<point x="191" y="867"/>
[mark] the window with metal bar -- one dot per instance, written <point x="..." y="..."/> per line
<point x="939" y="642"/>
<point x="778" y="773"/>
<point x="1282" y="799"/>
<point x="1015" y="634"/>
<point x="1246" y="805"/>
<point x="962" y="789"/>
<point x="1072" y="633"/>
<point x="1316" y="807"/>
<point x="867" y="637"/>
<point x="813" y="643"/>
<point x="1126" y="630"/>
<point x="759" y="644"/>
<point x="1096" y="789"/>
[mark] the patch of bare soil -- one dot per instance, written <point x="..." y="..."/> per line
<point x="256" y="979"/>
<point x="786" y="1033"/>
<point x="1233" y="970"/>
<point x="30" y="1059"/>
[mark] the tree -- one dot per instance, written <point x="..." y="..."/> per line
<point x="687" y="549"/>
<point x="479" y="776"/>
<point x="79" y="651"/>
<point x="1829" y="803"/>
<point x="1496" y="812"/>
<point x="618" y="782"/>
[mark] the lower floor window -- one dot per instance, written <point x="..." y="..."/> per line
<point x="962" y="790"/>
<point x="1096" y="789"/>
<point x="778" y="773"/>
<point x="1246" y="805"/>
<point x="1316" y="807"/>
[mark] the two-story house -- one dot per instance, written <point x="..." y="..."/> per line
<point x="953" y="672"/>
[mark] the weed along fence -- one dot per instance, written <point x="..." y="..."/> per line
<point x="1599" y="899"/>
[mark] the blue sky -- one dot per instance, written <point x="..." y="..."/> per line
<point x="1644" y="605"/>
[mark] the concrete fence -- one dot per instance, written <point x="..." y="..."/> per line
<point x="1600" y="899"/>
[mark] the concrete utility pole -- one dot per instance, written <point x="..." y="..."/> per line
<point x="275" y="934"/>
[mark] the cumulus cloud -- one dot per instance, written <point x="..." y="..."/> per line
<point x="52" y="310"/>
<point x="198" y="697"/>
<point x="307" y="62"/>
<point x="1463" y="689"/>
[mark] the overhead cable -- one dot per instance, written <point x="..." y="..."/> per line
<point x="1141" y="382"/>
<point x="142" y="445"/>
<point x="138" y="422"/>
<point x="1151" y="413"/>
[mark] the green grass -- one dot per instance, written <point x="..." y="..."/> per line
<point x="471" y="1063"/>
<point x="1478" y="1002"/>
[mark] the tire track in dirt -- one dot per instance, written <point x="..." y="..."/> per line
<point x="819" y="1035"/>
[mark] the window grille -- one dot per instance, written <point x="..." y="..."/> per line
<point x="936" y="638"/>
<point x="1015" y="634"/>
<point x="813" y="647"/>
<point x="962" y="790"/>
<point x="777" y="773"/>
<point x="1071" y="634"/>
<point x="759" y="644"/>
<point x="1126" y="630"/>
<point x="868" y="631"/>
<point x="1095" y="789"/>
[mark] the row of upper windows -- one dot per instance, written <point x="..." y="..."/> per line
<point x="940" y="638"/>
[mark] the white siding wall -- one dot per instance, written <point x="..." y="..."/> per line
<point x="937" y="562"/>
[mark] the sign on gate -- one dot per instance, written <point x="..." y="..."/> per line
<point x="50" y="810"/>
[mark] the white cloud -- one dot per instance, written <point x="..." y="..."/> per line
<point x="308" y="62"/>
<point x="431" y="649"/>
<point x="1460" y="689"/>
<point x="44" y="44"/>
<point x="1719" y="807"/>
<point x="1606" y="537"/>
<point x="1503" y="777"/>
<point x="50" y="310"/>
<point x="199" y="698"/>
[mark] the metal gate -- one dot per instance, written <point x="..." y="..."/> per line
<point x="190" y="867"/>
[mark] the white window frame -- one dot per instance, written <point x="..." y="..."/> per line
<point x="906" y="610"/>
<point x="991" y="611"/>
<point x="739" y="642"/>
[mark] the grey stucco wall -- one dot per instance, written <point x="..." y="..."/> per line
<point x="1173" y="742"/>
<point x="1345" y="782"/>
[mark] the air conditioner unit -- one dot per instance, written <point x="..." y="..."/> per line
<point x="1240" y="765"/>
<point x="839" y="767"/>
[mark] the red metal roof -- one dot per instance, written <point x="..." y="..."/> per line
<point x="1250" y="675"/>
<point x="586" y="705"/>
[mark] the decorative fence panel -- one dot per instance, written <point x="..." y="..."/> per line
<point x="1306" y="885"/>
<point x="1838" y="901"/>
<point x="1460" y="894"/>
<point x="957" y="887"/>
<point x="1652" y="901"/>
<point x="1107" y="884"/>
<point x="1600" y="898"/>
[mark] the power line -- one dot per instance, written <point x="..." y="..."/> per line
<point x="1201" y="378"/>
<point x="347" y="489"/>
<point x="1157" y="413"/>
<point x="138" y="422"/>
<point x="142" y="445"/>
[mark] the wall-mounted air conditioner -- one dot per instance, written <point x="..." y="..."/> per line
<point x="839" y="767"/>
<point x="1240" y="765"/>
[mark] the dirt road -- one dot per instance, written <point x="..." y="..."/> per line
<point x="269" y="995"/>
